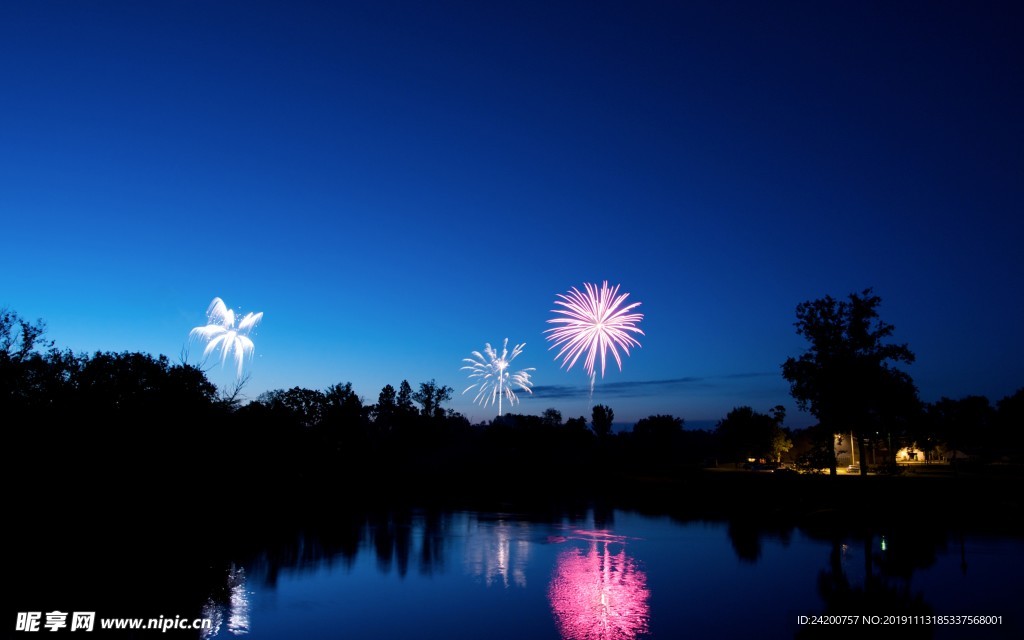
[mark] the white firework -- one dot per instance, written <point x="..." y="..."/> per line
<point x="220" y="332"/>
<point x="494" y="381"/>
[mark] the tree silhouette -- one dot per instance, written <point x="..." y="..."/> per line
<point x="552" y="418"/>
<point x="24" y="372"/>
<point x="964" y="425"/>
<point x="342" y="405"/>
<point x="658" y="427"/>
<point x="576" y="425"/>
<point x="305" y="407"/>
<point x="602" y="418"/>
<point x="404" y="400"/>
<point x="845" y="377"/>
<point x="1009" y="420"/>
<point x="384" y="411"/>
<point x="18" y="337"/>
<point x="345" y="418"/>
<point x="430" y="396"/>
<point x="658" y="439"/>
<point x="745" y="433"/>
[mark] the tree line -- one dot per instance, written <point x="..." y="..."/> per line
<point x="108" y="417"/>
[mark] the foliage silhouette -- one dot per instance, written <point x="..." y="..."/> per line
<point x="745" y="434"/>
<point x="430" y="397"/>
<point x="658" y="442"/>
<point x="18" y="336"/>
<point x="552" y="417"/>
<point x="846" y="378"/>
<point x="602" y="419"/>
<point x="964" y="427"/>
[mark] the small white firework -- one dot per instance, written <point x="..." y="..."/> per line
<point x="220" y="331"/>
<point x="493" y="379"/>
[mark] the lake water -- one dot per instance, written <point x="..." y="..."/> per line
<point x="616" y="575"/>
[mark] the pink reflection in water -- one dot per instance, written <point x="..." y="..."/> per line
<point x="597" y="594"/>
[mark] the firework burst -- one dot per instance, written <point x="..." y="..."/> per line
<point x="493" y="379"/>
<point x="594" y="323"/>
<point x="220" y="331"/>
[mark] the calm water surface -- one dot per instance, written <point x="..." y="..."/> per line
<point x="623" y="575"/>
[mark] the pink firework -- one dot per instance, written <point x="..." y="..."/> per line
<point x="595" y="323"/>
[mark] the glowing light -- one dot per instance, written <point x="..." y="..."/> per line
<point x="499" y="554"/>
<point x="220" y="332"/>
<point x="237" y="610"/>
<point x="493" y="380"/>
<point x="595" y="323"/>
<point x="212" y="612"/>
<point x="597" y="594"/>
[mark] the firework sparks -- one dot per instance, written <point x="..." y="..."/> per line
<point x="594" y="322"/>
<point x="493" y="379"/>
<point x="220" y="331"/>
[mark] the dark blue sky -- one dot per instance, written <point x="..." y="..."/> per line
<point x="396" y="183"/>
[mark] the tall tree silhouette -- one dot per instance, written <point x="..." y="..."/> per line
<point x="846" y="378"/>
<point x="384" y="411"/>
<point x="403" y="401"/>
<point x="602" y="418"/>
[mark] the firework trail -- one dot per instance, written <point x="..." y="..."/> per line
<point x="493" y="380"/>
<point x="220" y="331"/>
<point x="594" y="322"/>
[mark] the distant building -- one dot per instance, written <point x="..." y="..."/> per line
<point x="911" y="454"/>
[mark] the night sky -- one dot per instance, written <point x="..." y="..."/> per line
<point x="395" y="184"/>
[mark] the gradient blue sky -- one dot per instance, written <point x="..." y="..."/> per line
<point x="396" y="183"/>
